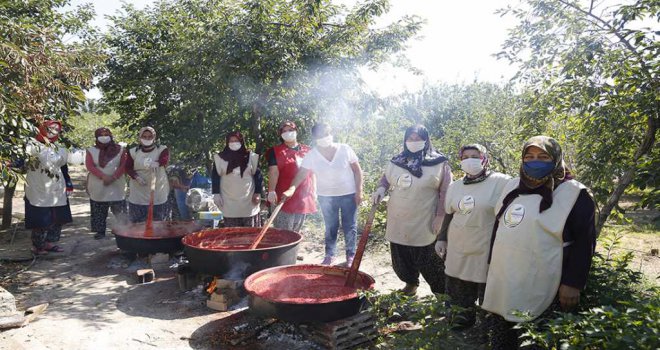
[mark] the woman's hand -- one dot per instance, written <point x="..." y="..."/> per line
<point x="378" y="196"/>
<point x="272" y="197"/>
<point x="107" y="179"/>
<point x="441" y="249"/>
<point x="256" y="198"/>
<point x="568" y="297"/>
<point x="358" y="198"/>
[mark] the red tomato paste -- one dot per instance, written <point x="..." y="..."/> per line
<point x="239" y="238"/>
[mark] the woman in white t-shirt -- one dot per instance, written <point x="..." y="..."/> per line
<point x="339" y="189"/>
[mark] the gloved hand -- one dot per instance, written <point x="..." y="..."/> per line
<point x="154" y="165"/>
<point x="288" y="193"/>
<point x="141" y="180"/>
<point x="217" y="199"/>
<point x="441" y="249"/>
<point x="378" y="196"/>
<point x="272" y="198"/>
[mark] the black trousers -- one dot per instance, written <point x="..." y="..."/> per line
<point x="464" y="294"/>
<point x="409" y="262"/>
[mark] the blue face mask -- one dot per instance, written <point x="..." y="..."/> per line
<point x="538" y="169"/>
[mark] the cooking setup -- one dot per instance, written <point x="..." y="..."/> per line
<point x="256" y="267"/>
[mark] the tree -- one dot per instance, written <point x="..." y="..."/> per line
<point x="196" y="69"/>
<point x="47" y="57"/>
<point x="591" y="75"/>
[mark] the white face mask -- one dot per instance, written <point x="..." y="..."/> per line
<point x="146" y="142"/>
<point x="104" y="139"/>
<point x="472" y="166"/>
<point x="324" y="141"/>
<point x="289" y="136"/>
<point x="234" y="146"/>
<point x="415" y="146"/>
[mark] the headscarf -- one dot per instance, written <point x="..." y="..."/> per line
<point x="42" y="136"/>
<point x="484" y="162"/>
<point x="109" y="150"/>
<point x="284" y="124"/>
<point x="238" y="158"/>
<point x="543" y="186"/>
<point x="413" y="162"/>
<point x="143" y="147"/>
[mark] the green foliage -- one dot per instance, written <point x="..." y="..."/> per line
<point x="42" y="71"/>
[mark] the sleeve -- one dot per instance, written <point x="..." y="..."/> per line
<point x="215" y="180"/>
<point x="448" y="196"/>
<point x="130" y="166"/>
<point x="122" y="166"/>
<point x="258" y="182"/>
<point x="67" y="178"/>
<point x="271" y="160"/>
<point x="350" y="155"/>
<point x="442" y="190"/>
<point x="89" y="164"/>
<point x="164" y="157"/>
<point x="579" y="229"/>
<point x="384" y="183"/>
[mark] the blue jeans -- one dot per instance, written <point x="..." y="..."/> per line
<point x="331" y="206"/>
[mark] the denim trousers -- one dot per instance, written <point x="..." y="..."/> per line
<point x="335" y="208"/>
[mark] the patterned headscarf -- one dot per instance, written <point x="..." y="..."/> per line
<point x="142" y="131"/>
<point x="413" y="162"/>
<point x="238" y="158"/>
<point x="109" y="150"/>
<point x="42" y="136"/>
<point x="485" y="160"/>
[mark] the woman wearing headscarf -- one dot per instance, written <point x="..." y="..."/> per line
<point x="284" y="160"/>
<point x="464" y="240"/>
<point x="145" y="165"/>
<point x="417" y="180"/>
<point x="543" y="241"/>
<point x="236" y="183"/>
<point x="106" y="187"/>
<point x="47" y="188"/>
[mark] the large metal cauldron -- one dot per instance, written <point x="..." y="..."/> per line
<point x="225" y="251"/>
<point x="166" y="236"/>
<point x="306" y="293"/>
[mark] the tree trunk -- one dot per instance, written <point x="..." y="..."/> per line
<point x="7" y="207"/>
<point x="644" y="148"/>
<point x="257" y="114"/>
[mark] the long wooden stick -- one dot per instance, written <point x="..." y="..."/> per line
<point x="267" y="225"/>
<point x="149" y="226"/>
<point x="355" y="267"/>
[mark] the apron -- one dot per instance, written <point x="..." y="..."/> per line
<point x="470" y="230"/>
<point x="412" y="205"/>
<point x="44" y="181"/>
<point x="288" y="162"/>
<point x="526" y="264"/>
<point x="139" y="194"/>
<point x="237" y="190"/>
<point x="99" y="192"/>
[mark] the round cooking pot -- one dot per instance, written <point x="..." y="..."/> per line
<point x="306" y="293"/>
<point x="225" y="251"/>
<point x="166" y="236"/>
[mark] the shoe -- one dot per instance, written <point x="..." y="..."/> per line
<point x="409" y="289"/>
<point x="54" y="248"/>
<point x="99" y="235"/>
<point x="328" y="260"/>
<point x="37" y="251"/>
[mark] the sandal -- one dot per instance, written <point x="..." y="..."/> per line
<point x="37" y="251"/>
<point x="54" y="249"/>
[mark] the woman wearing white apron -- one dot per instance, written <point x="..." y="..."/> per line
<point x="144" y="162"/>
<point x="47" y="188"/>
<point x="236" y="183"/>
<point x="417" y="180"/>
<point x="464" y="241"/>
<point x="543" y="241"/>
<point x="105" y="182"/>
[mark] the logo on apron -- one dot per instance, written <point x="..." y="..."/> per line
<point x="404" y="181"/>
<point x="514" y="215"/>
<point x="466" y="204"/>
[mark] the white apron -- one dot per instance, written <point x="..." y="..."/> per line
<point x="237" y="191"/>
<point x="98" y="192"/>
<point x="412" y="205"/>
<point x="139" y="194"/>
<point x="526" y="264"/>
<point x="44" y="181"/>
<point x="470" y="230"/>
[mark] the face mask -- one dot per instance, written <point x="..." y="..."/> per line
<point x="538" y="169"/>
<point x="234" y="146"/>
<point x="104" y="139"/>
<point x="472" y="166"/>
<point x="415" y="146"/>
<point x="289" y="136"/>
<point x="146" y="142"/>
<point x="324" y="141"/>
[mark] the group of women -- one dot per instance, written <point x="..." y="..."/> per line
<point x="520" y="248"/>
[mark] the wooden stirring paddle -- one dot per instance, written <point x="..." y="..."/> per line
<point x="149" y="227"/>
<point x="355" y="267"/>
<point x="262" y="233"/>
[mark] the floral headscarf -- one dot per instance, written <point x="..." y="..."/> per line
<point x="413" y="162"/>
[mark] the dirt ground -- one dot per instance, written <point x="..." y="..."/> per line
<point x="95" y="301"/>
